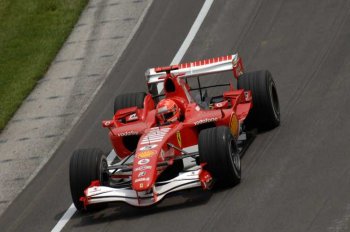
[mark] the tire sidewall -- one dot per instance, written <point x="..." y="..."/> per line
<point x="265" y="112"/>
<point x="273" y="99"/>
<point x="234" y="157"/>
<point x="218" y="149"/>
<point x="86" y="165"/>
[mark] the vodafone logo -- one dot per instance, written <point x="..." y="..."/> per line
<point x="206" y="120"/>
<point x="128" y="133"/>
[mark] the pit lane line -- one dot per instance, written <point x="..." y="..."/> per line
<point x="179" y="55"/>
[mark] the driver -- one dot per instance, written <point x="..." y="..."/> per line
<point x="167" y="111"/>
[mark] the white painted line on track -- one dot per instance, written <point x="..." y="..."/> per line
<point x="71" y="210"/>
<point x="178" y="57"/>
<point x="192" y="33"/>
<point x="65" y="218"/>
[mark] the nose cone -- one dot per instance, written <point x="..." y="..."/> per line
<point x="144" y="170"/>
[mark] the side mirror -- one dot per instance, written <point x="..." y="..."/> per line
<point x="205" y="95"/>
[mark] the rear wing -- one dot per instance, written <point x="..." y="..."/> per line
<point x="197" y="68"/>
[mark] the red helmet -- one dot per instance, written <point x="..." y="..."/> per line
<point x="167" y="111"/>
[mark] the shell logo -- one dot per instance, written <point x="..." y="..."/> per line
<point x="146" y="154"/>
<point x="234" y="125"/>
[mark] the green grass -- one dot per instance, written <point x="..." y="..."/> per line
<point x="31" y="34"/>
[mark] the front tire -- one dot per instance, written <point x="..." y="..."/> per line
<point x="86" y="165"/>
<point x="265" y="114"/>
<point x="218" y="149"/>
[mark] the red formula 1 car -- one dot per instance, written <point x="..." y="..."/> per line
<point x="177" y="136"/>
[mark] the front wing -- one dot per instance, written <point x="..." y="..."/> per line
<point x="185" y="180"/>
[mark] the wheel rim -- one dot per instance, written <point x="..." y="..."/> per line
<point x="235" y="159"/>
<point x="104" y="175"/>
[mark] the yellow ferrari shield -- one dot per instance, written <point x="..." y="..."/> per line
<point x="178" y="136"/>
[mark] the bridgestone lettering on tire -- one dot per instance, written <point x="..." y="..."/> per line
<point x="218" y="149"/>
<point x="265" y="114"/>
<point x="86" y="165"/>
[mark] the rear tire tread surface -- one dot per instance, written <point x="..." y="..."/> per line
<point x="213" y="144"/>
<point x="127" y="100"/>
<point x="265" y="114"/>
<point x="85" y="166"/>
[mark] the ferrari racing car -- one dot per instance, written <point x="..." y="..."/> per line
<point x="177" y="136"/>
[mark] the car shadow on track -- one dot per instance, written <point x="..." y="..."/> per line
<point x="118" y="211"/>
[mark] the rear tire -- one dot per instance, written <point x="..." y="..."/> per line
<point x="86" y="165"/>
<point x="265" y="114"/>
<point x="218" y="148"/>
<point x="129" y="100"/>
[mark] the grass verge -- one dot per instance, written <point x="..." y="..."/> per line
<point x="31" y="34"/>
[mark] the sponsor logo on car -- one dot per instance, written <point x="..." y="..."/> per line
<point x="155" y="135"/>
<point x="148" y="147"/>
<point x="234" y="125"/>
<point x="206" y="120"/>
<point x="146" y="154"/>
<point x="179" y="140"/>
<point x="141" y="174"/>
<point x="143" y="161"/>
<point x="247" y="95"/>
<point x="141" y="168"/>
<point x="94" y="189"/>
<point x="142" y="179"/>
<point x="128" y="133"/>
<point x="107" y="123"/>
<point x="131" y="117"/>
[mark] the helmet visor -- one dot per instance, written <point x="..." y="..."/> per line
<point x="168" y="115"/>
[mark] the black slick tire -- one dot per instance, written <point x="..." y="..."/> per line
<point x="86" y="165"/>
<point x="265" y="114"/>
<point x="218" y="149"/>
<point x="129" y="100"/>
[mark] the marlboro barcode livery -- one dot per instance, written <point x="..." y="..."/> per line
<point x="177" y="136"/>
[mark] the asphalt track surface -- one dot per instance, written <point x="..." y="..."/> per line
<point x="295" y="178"/>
